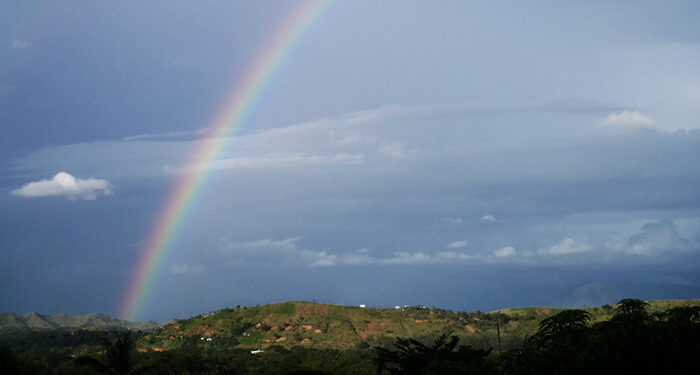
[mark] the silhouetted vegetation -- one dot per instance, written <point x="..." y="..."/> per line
<point x="442" y="357"/>
<point x="630" y="337"/>
<point x="632" y="341"/>
<point x="119" y="357"/>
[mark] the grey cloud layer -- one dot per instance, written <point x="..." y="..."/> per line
<point x="393" y="180"/>
<point x="399" y="188"/>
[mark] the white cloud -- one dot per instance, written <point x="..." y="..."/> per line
<point x="488" y="217"/>
<point x="452" y="255"/>
<point x="422" y="258"/>
<point x="358" y="258"/>
<point x="322" y="259"/>
<point x="349" y="139"/>
<point x="453" y="220"/>
<point x="284" y="251"/>
<point x="630" y="120"/>
<point x="394" y="150"/>
<point x="285" y="244"/>
<point x="168" y="135"/>
<point x="284" y="161"/>
<point x="185" y="269"/>
<point x="457" y="244"/>
<point x="66" y="185"/>
<point x="401" y="111"/>
<point x="566" y="246"/>
<point x="288" y="252"/>
<point x="18" y="44"/>
<point x="407" y="258"/>
<point x="507" y="251"/>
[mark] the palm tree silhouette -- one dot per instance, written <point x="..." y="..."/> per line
<point x="119" y="357"/>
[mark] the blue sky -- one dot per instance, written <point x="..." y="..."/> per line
<point x="464" y="155"/>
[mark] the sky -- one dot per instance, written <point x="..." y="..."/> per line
<point x="466" y="155"/>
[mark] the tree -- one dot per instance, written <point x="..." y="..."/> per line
<point x="414" y="357"/>
<point x="631" y="308"/>
<point x="562" y="330"/>
<point x="119" y="356"/>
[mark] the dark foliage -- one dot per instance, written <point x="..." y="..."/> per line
<point x="442" y="357"/>
<point x="119" y="357"/>
<point x="631" y="342"/>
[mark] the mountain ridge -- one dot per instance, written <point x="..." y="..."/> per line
<point x="94" y="321"/>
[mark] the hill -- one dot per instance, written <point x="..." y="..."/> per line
<point x="326" y="326"/>
<point x="36" y="321"/>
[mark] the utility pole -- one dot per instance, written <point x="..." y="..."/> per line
<point x="498" y="331"/>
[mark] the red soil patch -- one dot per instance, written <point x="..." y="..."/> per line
<point x="374" y="329"/>
<point x="309" y="310"/>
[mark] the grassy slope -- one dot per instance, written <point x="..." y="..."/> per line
<point x="306" y="324"/>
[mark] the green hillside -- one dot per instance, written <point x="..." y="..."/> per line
<point x="326" y="326"/>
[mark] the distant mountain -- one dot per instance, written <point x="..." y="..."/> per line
<point x="35" y="321"/>
<point x="600" y="293"/>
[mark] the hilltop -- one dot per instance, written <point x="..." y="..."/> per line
<point x="327" y="326"/>
<point x="93" y="322"/>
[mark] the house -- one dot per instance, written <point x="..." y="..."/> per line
<point x="362" y="306"/>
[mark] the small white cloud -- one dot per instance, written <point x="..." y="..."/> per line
<point x="408" y="258"/>
<point x="398" y="111"/>
<point x="630" y="120"/>
<point x="323" y="259"/>
<point x="281" y="162"/>
<point x="284" y="251"/>
<point x="350" y="139"/>
<point x="393" y="150"/>
<point x="65" y="184"/>
<point x="18" y="44"/>
<point x="357" y="259"/>
<point x="161" y="136"/>
<point x="288" y="252"/>
<point x="507" y="251"/>
<point x="457" y="244"/>
<point x="453" y="220"/>
<point x="488" y="217"/>
<point x="452" y="255"/>
<point x="285" y="244"/>
<point x="566" y="246"/>
<point x="185" y="269"/>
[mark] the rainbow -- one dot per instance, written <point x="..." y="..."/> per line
<point x="246" y="93"/>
